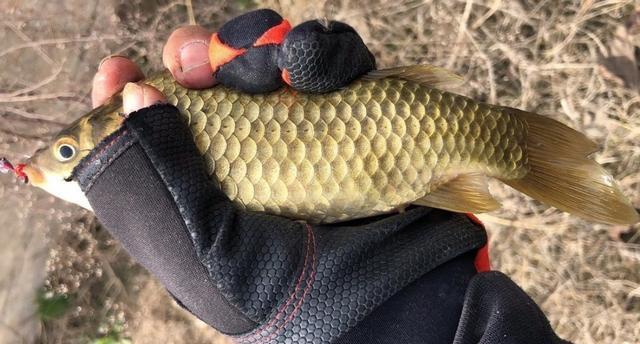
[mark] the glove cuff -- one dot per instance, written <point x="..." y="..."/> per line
<point x="131" y="199"/>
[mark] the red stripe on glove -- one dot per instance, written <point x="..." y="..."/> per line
<point x="220" y="53"/>
<point x="482" y="262"/>
<point x="274" y="35"/>
<point x="286" y="77"/>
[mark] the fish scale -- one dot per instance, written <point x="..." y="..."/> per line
<point x="359" y="151"/>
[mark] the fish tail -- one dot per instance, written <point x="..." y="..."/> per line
<point x="564" y="176"/>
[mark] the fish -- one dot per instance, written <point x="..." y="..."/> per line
<point x="392" y="138"/>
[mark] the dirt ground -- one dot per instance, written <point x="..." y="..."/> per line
<point x="64" y="280"/>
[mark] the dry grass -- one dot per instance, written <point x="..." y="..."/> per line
<point x="574" y="61"/>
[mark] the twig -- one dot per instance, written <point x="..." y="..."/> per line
<point x="23" y="136"/>
<point x="495" y="5"/>
<point x="505" y="10"/>
<point x="563" y="66"/>
<point x="490" y="71"/>
<point x="577" y="20"/>
<point x="192" y="18"/>
<point x="26" y="38"/>
<point x="29" y="116"/>
<point x="53" y="41"/>
<point x="462" y="30"/>
<point x="160" y="15"/>
<point x="35" y="86"/>
<point x="42" y="96"/>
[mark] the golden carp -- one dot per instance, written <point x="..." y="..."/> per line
<point x="389" y="139"/>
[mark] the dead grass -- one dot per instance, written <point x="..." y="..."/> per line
<point x="576" y="61"/>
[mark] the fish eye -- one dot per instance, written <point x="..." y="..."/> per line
<point x="66" y="152"/>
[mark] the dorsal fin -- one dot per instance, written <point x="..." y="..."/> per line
<point x="467" y="193"/>
<point x="424" y="74"/>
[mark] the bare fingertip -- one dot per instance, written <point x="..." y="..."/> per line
<point x="107" y="58"/>
<point x="152" y="96"/>
<point x="113" y="72"/>
<point x="139" y="96"/>
<point x="121" y="66"/>
<point x="186" y="55"/>
<point x="132" y="98"/>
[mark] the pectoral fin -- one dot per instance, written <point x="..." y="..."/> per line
<point x="467" y="193"/>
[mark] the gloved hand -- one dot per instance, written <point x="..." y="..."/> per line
<point x="256" y="52"/>
<point x="259" y="52"/>
<point x="401" y="278"/>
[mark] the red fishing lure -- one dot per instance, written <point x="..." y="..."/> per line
<point x="18" y="170"/>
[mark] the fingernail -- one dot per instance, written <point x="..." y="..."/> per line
<point x="194" y="55"/>
<point x="109" y="58"/>
<point x="132" y="98"/>
<point x="132" y="88"/>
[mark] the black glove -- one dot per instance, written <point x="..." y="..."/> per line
<point x="258" y="52"/>
<point x="264" y="279"/>
<point x="319" y="58"/>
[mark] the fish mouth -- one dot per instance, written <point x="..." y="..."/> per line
<point x="63" y="188"/>
<point x="29" y="174"/>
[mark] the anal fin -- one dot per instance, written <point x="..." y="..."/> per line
<point x="467" y="193"/>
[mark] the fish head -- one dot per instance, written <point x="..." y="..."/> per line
<point x="51" y="168"/>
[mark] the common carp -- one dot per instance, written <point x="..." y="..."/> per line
<point x="392" y="138"/>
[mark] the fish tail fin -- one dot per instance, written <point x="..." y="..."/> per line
<point x="564" y="176"/>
